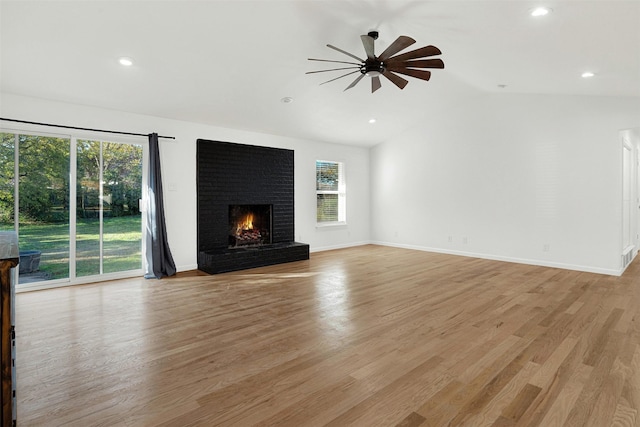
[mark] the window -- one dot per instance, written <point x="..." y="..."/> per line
<point x="330" y="192"/>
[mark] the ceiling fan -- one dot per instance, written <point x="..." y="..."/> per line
<point x="385" y="64"/>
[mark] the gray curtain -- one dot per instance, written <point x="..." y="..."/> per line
<point x="159" y="260"/>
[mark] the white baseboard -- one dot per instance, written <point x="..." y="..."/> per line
<point x="187" y="267"/>
<point x="343" y="246"/>
<point x="540" y="263"/>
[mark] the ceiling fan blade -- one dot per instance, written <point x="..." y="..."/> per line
<point x="367" y="42"/>
<point x="345" y="52"/>
<point x="419" y="74"/>
<point x="332" y="69"/>
<point x="422" y="63"/>
<point x="375" y="83"/>
<point x="337" y="62"/>
<point x="401" y="43"/>
<point x="355" y="82"/>
<point x="395" y="79"/>
<point x="418" y="53"/>
<point x="344" y="75"/>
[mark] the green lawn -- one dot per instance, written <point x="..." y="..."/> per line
<point x="122" y="245"/>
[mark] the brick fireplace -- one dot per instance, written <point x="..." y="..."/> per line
<point x="245" y="207"/>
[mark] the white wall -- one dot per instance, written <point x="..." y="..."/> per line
<point x="513" y="174"/>
<point x="179" y="174"/>
<point x="526" y="178"/>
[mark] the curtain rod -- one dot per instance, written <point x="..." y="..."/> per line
<point x="79" y="128"/>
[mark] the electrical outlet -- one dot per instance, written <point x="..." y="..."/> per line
<point x="465" y="240"/>
<point x="450" y="239"/>
<point x="545" y="247"/>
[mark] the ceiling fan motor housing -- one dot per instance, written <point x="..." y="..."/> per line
<point x="372" y="67"/>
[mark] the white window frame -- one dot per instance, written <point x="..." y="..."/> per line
<point x="341" y="192"/>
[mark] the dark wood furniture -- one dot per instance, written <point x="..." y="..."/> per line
<point x="9" y="258"/>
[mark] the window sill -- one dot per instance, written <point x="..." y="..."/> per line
<point x="331" y="224"/>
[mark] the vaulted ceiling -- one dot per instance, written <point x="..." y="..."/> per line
<point x="230" y="63"/>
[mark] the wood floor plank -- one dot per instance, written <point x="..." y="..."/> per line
<point x="521" y="402"/>
<point x="549" y="369"/>
<point x="631" y="390"/>
<point x="600" y="343"/>
<point x="624" y="417"/>
<point x="398" y="391"/>
<point x="584" y="406"/>
<point x="563" y="404"/>
<point x="412" y="420"/>
<point x="606" y="404"/>
<point x="470" y="398"/>
<point x="362" y="336"/>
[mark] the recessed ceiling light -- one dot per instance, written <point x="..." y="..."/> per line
<point x="587" y="74"/>
<point x="540" y="11"/>
<point x="372" y="121"/>
<point x="287" y="100"/>
<point x="127" y="62"/>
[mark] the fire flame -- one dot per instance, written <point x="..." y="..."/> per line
<point x="245" y="223"/>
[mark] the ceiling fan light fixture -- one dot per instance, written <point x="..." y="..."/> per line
<point x="389" y="64"/>
<point x="540" y="11"/>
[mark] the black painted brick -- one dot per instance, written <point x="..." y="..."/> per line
<point x="230" y="173"/>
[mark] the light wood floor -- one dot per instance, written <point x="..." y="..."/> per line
<point x="363" y="336"/>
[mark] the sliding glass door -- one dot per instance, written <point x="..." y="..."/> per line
<point x="34" y="200"/>
<point x="109" y="190"/>
<point x="75" y="204"/>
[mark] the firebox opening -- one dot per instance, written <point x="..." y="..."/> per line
<point x="249" y="225"/>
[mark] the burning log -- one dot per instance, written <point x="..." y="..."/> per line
<point x="249" y="235"/>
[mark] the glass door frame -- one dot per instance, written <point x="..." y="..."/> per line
<point x="101" y="276"/>
<point x="73" y="174"/>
